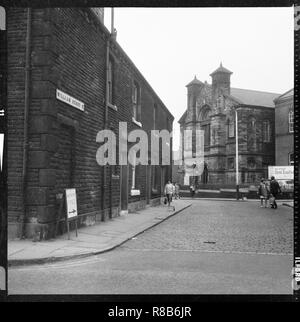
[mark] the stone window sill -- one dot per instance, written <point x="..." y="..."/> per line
<point x="113" y="107"/>
<point x="136" y="122"/>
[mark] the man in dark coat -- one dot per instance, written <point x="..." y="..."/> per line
<point x="274" y="190"/>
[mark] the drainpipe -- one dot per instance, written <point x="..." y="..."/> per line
<point x="104" y="172"/>
<point x="26" y="114"/>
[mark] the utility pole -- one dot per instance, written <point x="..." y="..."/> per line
<point x="236" y="154"/>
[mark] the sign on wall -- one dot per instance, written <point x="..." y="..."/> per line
<point x="281" y="173"/>
<point x="71" y="203"/>
<point x="69" y="100"/>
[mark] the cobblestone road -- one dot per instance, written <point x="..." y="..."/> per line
<point x="212" y="247"/>
<point x="223" y="226"/>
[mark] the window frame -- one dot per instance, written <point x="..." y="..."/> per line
<point x="207" y="139"/>
<point x="266" y="131"/>
<point x="291" y="121"/>
<point x="229" y="162"/>
<point x="230" y="128"/>
<point x="154" y="116"/>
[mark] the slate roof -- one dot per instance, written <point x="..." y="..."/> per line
<point x="182" y="119"/>
<point x="221" y="69"/>
<point x="285" y="95"/>
<point x="195" y="81"/>
<point x="252" y="97"/>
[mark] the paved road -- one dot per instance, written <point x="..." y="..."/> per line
<point x="213" y="247"/>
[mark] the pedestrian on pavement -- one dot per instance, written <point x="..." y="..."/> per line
<point x="169" y="190"/>
<point x="177" y="187"/>
<point x="192" y="189"/>
<point x="274" y="191"/>
<point x="263" y="193"/>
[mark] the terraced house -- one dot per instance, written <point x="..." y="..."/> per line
<point x="68" y="79"/>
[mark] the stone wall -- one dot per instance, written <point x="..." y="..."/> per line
<point x="68" y="53"/>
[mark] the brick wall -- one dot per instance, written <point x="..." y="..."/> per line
<point x="16" y="33"/>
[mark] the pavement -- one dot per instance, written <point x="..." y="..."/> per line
<point x="91" y="240"/>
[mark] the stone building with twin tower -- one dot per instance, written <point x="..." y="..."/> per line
<point x="211" y="108"/>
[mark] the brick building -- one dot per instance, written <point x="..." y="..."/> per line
<point x="284" y="124"/>
<point x="211" y="108"/>
<point x="68" y="78"/>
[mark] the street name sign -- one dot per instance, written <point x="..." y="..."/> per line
<point x="69" y="100"/>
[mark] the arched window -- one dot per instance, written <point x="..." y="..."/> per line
<point x="205" y="114"/>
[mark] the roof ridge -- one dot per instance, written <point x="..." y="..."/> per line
<point x="255" y="90"/>
<point x="290" y="90"/>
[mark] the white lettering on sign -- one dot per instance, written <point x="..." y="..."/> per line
<point x="281" y="173"/>
<point x="69" y="100"/>
<point x="71" y="203"/>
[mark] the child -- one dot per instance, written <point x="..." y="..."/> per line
<point x="263" y="193"/>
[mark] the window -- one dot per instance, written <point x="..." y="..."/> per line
<point x="136" y="101"/>
<point x="251" y="129"/>
<point x="230" y="124"/>
<point x="205" y="115"/>
<point x="266" y="131"/>
<point x="251" y="163"/>
<point x="188" y="140"/>
<point x="154" y="116"/>
<point x="206" y="129"/>
<point x="291" y="121"/>
<point x="155" y="174"/>
<point x="214" y="136"/>
<point x="230" y="163"/>
<point x="291" y="158"/>
<point x="110" y="81"/>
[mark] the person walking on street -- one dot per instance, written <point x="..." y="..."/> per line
<point x="169" y="190"/>
<point x="263" y="193"/>
<point x="192" y="189"/>
<point x="274" y="191"/>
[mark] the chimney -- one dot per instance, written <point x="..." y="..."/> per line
<point x="113" y="30"/>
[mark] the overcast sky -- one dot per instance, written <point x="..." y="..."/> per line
<point x="172" y="45"/>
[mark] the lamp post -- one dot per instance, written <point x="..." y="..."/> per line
<point x="236" y="154"/>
